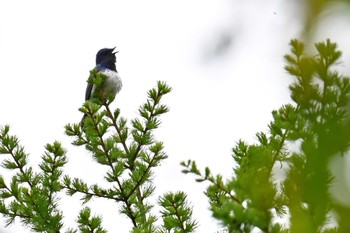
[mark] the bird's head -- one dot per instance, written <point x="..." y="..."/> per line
<point x="106" y="58"/>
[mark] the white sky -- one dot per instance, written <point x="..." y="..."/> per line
<point x="47" y="49"/>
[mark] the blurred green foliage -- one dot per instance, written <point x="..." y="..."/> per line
<point x="318" y="122"/>
<point x="313" y="9"/>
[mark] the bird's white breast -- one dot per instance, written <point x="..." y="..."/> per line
<point x="113" y="83"/>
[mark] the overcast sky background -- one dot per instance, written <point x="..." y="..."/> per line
<point x="223" y="59"/>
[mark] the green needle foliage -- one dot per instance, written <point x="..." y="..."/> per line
<point x="88" y="224"/>
<point x="128" y="151"/>
<point x="317" y="121"/>
<point x="31" y="196"/>
<point x="303" y="137"/>
<point x="176" y="214"/>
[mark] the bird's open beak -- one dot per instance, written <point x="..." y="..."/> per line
<point x="115" y="51"/>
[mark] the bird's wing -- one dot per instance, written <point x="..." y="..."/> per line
<point x="90" y="85"/>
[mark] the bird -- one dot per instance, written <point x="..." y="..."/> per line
<point x="111" y="85"/>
